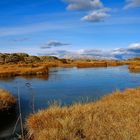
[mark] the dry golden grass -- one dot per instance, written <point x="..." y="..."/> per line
<point x="115" y="63"/>
<point x="6" y="100"/>
<point x="114" y="117"/>
<point x="17" y="70"/>
<point x="91" y="64"/>
<point x="103" y="63"/>
<point x="134" y="66"/>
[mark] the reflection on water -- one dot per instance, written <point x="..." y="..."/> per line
<point x="68" y="85"/>
<point x="7" y="121"/>
<point x="41" y="77"/>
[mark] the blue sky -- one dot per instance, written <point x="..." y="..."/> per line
<point x="70" y="27"/>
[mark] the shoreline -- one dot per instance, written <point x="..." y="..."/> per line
<point x="40" y="69"/>
<point x="22" y="64"/>
<point x="113" y="116"/>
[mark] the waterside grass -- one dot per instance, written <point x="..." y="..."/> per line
<point x="6" y="100"/>
<point x="113" y="117"/>
<point x="99" y="63"/>
<point x="134" y="66"/>
<point x="19" y="70"/>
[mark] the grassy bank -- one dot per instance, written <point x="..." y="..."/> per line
<point x="114" y="117"/>
<point x="99" y="63"/>
<point x="134" y="66"/>
<point x="8" y="70"/>
<point x="6" y="100"/>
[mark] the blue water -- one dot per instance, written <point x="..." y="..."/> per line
<point x="69" y="85"/>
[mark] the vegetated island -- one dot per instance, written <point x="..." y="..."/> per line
<point x="22" y="64"/>
<point x="113" y="117"/>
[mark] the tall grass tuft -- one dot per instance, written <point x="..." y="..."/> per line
<point x="6" y="100"/>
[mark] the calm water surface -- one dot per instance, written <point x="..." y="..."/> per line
<point x="67" y="85"/>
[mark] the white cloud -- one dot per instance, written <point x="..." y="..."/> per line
<point x="53" y="43"/>
<point x="80" y="54"/>
<point x="131" y="51"/>
<point x="132" y="4"/>
<point x="134" y="46"/>
<point x="96" y="15"/>
<point x="95" y="8"/>
<point x="83" y="4"/>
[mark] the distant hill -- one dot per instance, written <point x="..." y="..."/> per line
<point x="26" y="58"/>
<point x="23" y="57"/>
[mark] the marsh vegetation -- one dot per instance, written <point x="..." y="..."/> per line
<point x="115" y="116"/>
<point x="6" y="100"/>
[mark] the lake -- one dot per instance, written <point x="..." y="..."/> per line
<point x="66" y="86"/>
